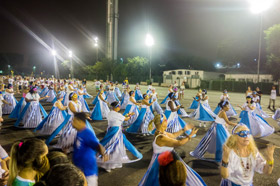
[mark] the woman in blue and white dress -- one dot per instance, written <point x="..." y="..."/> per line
<point x="101" y="109"/>
<point x="170" y="89"/>
<point x="203" y="112"/>
<point x="56" y="116"/>
<point x="225" y="97"/>
<point x="138" y="93"/>
<point x="68" y="133"/>
<point x="51" y="94"/>
<point x="111" y="95"/>
<point x="33" y="112"/>
<point x="181" y="110"/>
<point x="165" y="141"/>
<point x="116" y="143"/>
<point x="117" y="90"/>
<point x="276" y="116"/>
<point x="69" y="90"/>
<point x="259" y="109"/>
<point x="125" y="97"/>
<point x="20" y="105"/>
<point x="45" y="89"/>
<point x="216" y="136"/>
<point x="149" y="91"/>
<point x="155" y="107"/>
<point x="174" y="122"/>
<point x="132" y="107"/>
<point x="145" y="116"/>
<point x="81" y="98"/>
<point x="195" y="102"/>
<point x="10" y="98"/>
<point x="257" y="125"/>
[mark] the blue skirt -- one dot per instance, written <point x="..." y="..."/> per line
<point x="212" y="142"/>
<point x="138" y="95"/>
<point x="17" y="110"/>
<point x="194" y="105"/>
<point x="151" y="177"/>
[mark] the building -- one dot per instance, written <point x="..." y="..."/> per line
<point x="193" y="77"/>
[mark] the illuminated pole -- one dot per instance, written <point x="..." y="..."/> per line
<point x="71" y="61"/>
<point x="149" y="43"/>
<point x="55" y="64"/>
<point x="96" y="46"/>
<point x="257" y="7"/>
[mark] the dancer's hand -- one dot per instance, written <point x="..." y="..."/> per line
<point x="270" y="151"/>
<point x="4" y="179"/>
<point x="105" y="157"/>
<point x="194" y="131"/>
<point x="188" y="127"/>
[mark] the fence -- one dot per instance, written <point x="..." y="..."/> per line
<point x="235" y="86"/>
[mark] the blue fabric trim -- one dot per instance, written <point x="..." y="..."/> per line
<point x="135" y="126"/>
<point x="194" y="104"/>
<point x="217" y="110"/>
<point x="164" y="101"/>
<point x="22" y="114"/>
<point x="58" y="129"/>
<point x="45" y="114"/>
<point x="221" y="137"/>
<point x="204" y="115"/>
<point x="131" y="148"/>
<point x="96" y="114"/>
<point x="16" y="111"/>
<point x="95" y="99"/>
<point x="40" y="126"/>
<point x="127" y="109"/>
<point x="245" y="119"/>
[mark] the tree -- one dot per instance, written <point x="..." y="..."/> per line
<point x="272" y="38"/>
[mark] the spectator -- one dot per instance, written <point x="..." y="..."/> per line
<point x="172" y="171"/>
<point x="272" y="97"/>
<point x="85" y="148"/>
<point x="28" y="162"/>
<point x="56" y="157"/>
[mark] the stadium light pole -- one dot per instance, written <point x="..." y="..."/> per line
<point x="96" y="46"/>
<point x="70" y="54"/>
<point x="149" y="43"/>
<point x="54" y="53"/>
<point x="258" y="7"/>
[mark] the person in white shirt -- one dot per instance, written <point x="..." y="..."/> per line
<point x="97" y="85"/>
<point x="272" y="97"/>
<point x="241" y="158"/>
<point x="1" y="103"/>
<point x="114" y="135"/>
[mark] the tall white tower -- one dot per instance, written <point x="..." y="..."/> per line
<point x="112" y="29"/>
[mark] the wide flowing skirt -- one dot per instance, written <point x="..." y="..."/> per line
<point x="7" y="109"/>
<point x="212" y="142"/>
<point x="111" y="97"/>
<point x="203" y="113"/>
<point x="131" y="109"/>
<point x="138" y="95"/>
<point x="116" y="144"/>
<point x="257" y="125"/>
<point x="100" y="111"/>
<point x="230" y="113"/>
<point x="151" y="177"/>
<point x="85" y="107"/>
<point x="18" y="109"/>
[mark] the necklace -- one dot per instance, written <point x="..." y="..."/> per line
<point x="246" y="168"/>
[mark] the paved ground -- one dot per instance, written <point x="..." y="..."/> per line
<point x="131" y="174"/>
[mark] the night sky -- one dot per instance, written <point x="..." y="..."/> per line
<point x="180" y="27"/>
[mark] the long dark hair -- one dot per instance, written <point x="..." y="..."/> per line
<point x="250" y="98"/>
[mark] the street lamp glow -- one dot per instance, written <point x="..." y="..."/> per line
<point x="258" y="6"/>
<point x="149" y="40"/>
<point x="95" y="44"/>
<point x="53" y="52"/>
<point x="218" y="65"/>
<point x="238" y="65"/>
<point x="34" y="67"/>
<point x="96" y="39"/>
<point x="70" y="54"/>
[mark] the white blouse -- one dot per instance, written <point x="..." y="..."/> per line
<point x="32" y="96"/>
<point x="115" y="119"/>
<point x="236" y="172"/>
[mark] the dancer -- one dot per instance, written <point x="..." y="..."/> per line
<point x="10" y="98"/>
<point x="132" y="108"/>
<point x="115" y="142"/>
<point x="272" y="98"/>
<point x="257" y="125"/>
<point x="86" y="94"/>
<point x="203" y="112"/>
<point x="97" y="85"/>
<point x="31" y="115"/>
<point x="51" y="93"/>
<point x="225" y="97"/>
<point x="155" y="107"/>
<point x="68" y="133"/>
<point x="259" y="109"/>
<point x="145" y="116"/>
<point x="101" y="109"/>
<point x="259" y="93"/>
<point x="241" y="158"/>
<point x="43" y="92"/>
<point x="70" y="89"/>
<point x="165" y="141"/>
<point x="216" y="136"/>
<point x="20" y="105"/>
<point x="149" y="91"/>
<point x="181" y="111"/>
<point x="174" y="122"/>
<point x="111" y="95"/>
<point x="138" y="93"/>
<point x="125" y="97"/>
<point x="56" y="116"/>
<point x="276" y="116"/>
<point x="117" y="90"/>
<point x="195" y="102"/>
<point x="170" y="89"/>
<point x="249" y="91"/>
<point x="1" y="103"/>
<point x="81" y="95"/>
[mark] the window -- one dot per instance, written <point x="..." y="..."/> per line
<point x="196" y="73"/>
<point x="188" y="72"/>
<point x="170" y="73"/>
<point x="241" y="79"/>
<point x="180" y="73"/>
<point x="174" y="72"/>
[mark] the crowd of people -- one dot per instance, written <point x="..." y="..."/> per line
<point x="68" y="130"/>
